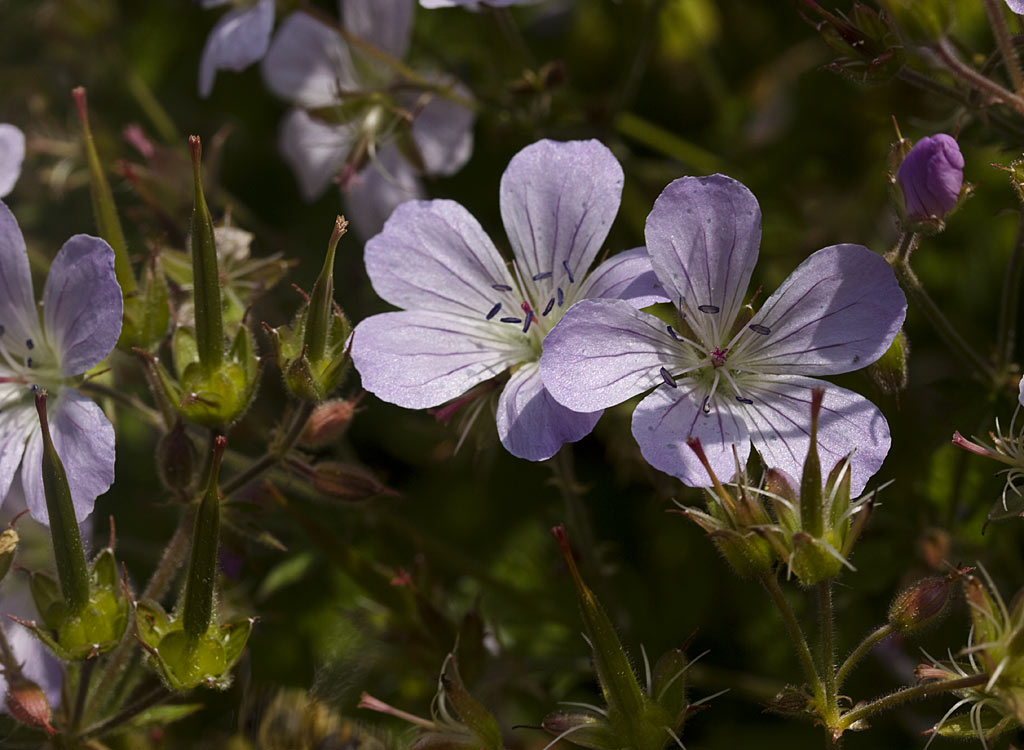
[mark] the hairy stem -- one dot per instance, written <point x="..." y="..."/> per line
<point x="910" y="694"/>
<point x="274" y="455"/>
<point x="826" y="617"/>
<point x="948" y="57"/>
<point x="796" y="633"/>
<point x="997" y="20"/>
<point x="870" y="641"/>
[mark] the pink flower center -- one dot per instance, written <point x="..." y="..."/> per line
<point x="718" y="356"/>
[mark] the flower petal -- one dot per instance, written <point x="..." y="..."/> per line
<point x="379" y="189"/>
<point x="780" y="421"/>
<point x="84" y="440"/>
<point x="18" y="319"/>
<point x="531" y="424"/>
<point x="12" y="153"/>
<point x="1020" y="387"/>
<point x="240" y="38"/>
<point x="82" y="304"/>
<point x="37" y="661"/>
<point x="627" y="276"/>
<point x="314" y="150"/>
<point x="558" y="200"/>
<point x="383" y="23"/>
<point x="443" y="132"/>
<point x="308" y="63"/>
<point x="433" y="255"/>
<point x="421" y="359"/>
<point x="703" y="236"/>
<point x="18" y="421"/>
<point x="603" y="352"/>
<point x="665" y="419"/>
<point x="838" y="311"/>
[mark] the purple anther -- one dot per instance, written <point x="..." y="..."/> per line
<point x="758" y="328"/>
<point x="673" y="334"/>
<point x="529" y="319"/>
<point x="548" y="306"/>
<point x="565" y="265"/>
<point x="494" y="311"/>
<point x="667" y="377"/>
<point x="712" y="309"/>
<point x="501" y="287"/>
<point x="561" y="298"/>
<point x="29" y="343"/>
<point x="511" y="320"/>
<point x="542" y="275"/>
<point x="743" y="400"/>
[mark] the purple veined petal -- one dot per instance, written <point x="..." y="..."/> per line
<point x="779" y="421"/>
<point x="380" y="188"/>
<point x="240" y="38"/>
<point x="18" y="421"/>
<point x="558" y="201"/>
<point x="1017" y="6"/>
<point x="84" y="440"/>
<point x="703" y="236"/>
<point x="12" y="153"/>
<point x="531" y="424"/>
<point x="837" y="312"/>
<point x="82" y="304"/>
<point x="627" y="276"/>
<point x="383" y="23"/>
<point x="19" y="321"/>
<point x="603" y="352"/>
<point x="314" y="150"/>
<point x="433" y="255"/>
<point x="308" y="63"/>
<point x="667" y="417"/>
<point x="421" y="359"/>
<point x="443" y="132"/>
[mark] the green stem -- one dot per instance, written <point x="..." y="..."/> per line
<point x="577" y="515"/>
<point x="796" y="633"/>
<point x="950" y="59"/>
<point x="643" y="48"/>
<point x="275" y="454"/>
<point x="925" y="83"/>
<point x="997" y="20"/>
<point x="667" y="143"/>
<point x="157" y="695"/>
<point x="1009" y="305"/>
<point x="85" y="671"/>
<point x="870" y="641"/>
<point x="913" y="287"/>
<point x="910" y="694"/>
<point x="826" y="613"/>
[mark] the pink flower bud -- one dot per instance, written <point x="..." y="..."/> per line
<point x="931" y="177"/>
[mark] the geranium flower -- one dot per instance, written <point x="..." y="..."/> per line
<point x="352" y="112"/>
<point x="240" y="38"/>
<point x="474" y="4"/>
<point x="1017" y="6"/>
<point x="81" y="322"/>
<point x="718" y="374"/>
<point x="12" y="153"/>
<point x="468" y="318"/>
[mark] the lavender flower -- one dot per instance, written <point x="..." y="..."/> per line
<point x="351" y="110"/>
<point x="473" y="4"/>
<point x="468" y="318"/>
<point x="81" y="322"/>
<point x="719" y="375"/>
<point x="240" y="38"/>
<point x="1017" y="6"/>
<point x="931" y="177"/>
<point x="12" y="153"/>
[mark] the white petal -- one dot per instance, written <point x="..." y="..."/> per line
<point x="379" y="189"/>
<point x="308" y="63"/>
<point x="383" y="23"/>
<point x="314" y="150"/>
<point x="12" y="153"/>
<point x="239" y="39"/>
<point x="19" y="320"/>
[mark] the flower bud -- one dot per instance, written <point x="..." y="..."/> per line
<point x="27" y="703"/>
<point x="890" y="370"/>
<point x="347" y="482"/>
<point x="931" y="178"/>
<point x="922" y="604"/>
<point x="328" y="422"/>
<point x="176" y="459"/>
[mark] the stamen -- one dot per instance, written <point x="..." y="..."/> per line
<point x="673" y="334"/>
<point x="711" y="309"/>
<point x="30" y="344"/>
<point x="706" y="408"/>
<point x="542" y="275"/>
<point x="548" y="306"/>
<point x="667" y="377"/>
<point x="560" y="297"/>
<point x="501" y="287"/>
<point x="565" y="265"/>
<point x="28" y="362"/>
<point x="758" y="328"/>
<point x="494" y="311"/>
<point x="511" y="320"/>
<point x="743" y="400"/>
<point x="529" y="319"/>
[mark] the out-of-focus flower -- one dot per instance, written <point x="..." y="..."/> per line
<point x="356" y="121"/>
<point x="474" y="4"/>
<point x="12" y="153"/>
<point x="931" y="177"/>
<point x="468" y="318"/>
<point x="240" y="38"/>
<point x="724" y="374"/>
<point x="81" y="322"/>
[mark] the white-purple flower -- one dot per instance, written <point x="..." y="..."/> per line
<point x="348" y="108"/>
<point x="467" y="317"/>
<point x="240" y="38"/>
<point x="79" y="326"/>
<point x="1017" y="6"/>
<point x="474" y="4"/>
<point x="12" y="153"/>
<point x="717" y="375"/>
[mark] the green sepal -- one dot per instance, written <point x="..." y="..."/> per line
<point x="46" y="596"/>
<point x="668" y="685"/>
<point x="811" y="561"/>
<point x="97" y="627"/>
<point x="812" y="516"/>
<point x="446" y="741"/>
<point x="218" y="397"/>
<point x="749" y="554"/>
<point x="104" y="570"/>
<point x="476" y="718"/>
<point x="161" y="716"/>
<point x="185" y="663"/>
<point x="963" y="727"/>
<point x="589" y="729"/>
<point x="147" y="313"/>
<point x="8" y="546"/>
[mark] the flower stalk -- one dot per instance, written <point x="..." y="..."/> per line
<point x="72" y="571"/>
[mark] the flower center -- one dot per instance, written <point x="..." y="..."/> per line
<point x="535" y="303"/>
<point x="28" y="364"/>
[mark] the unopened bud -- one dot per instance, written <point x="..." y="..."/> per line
<point x="328" y="422"/>
<point x="931" y="178"/>
<point x="27" y="703"/>
<point x="922" y="604"/>
<point x="8" y="546"/>
<point x="176" y="458"/>
<point x="347" y="482"/>
<point x="890" y="370"/>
